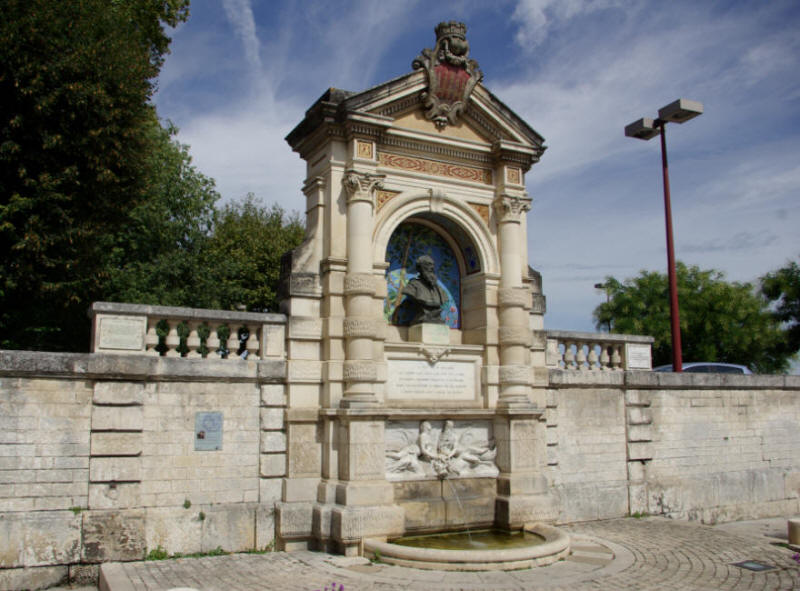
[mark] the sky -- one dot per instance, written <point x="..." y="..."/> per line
<point x="243" y="72"/>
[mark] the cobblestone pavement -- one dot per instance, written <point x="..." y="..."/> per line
<point x="641" y="554"/>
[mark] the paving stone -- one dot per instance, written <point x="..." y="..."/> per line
<point x="621" y="554"/>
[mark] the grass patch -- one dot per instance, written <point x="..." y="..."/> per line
<point x="158" y="553"/>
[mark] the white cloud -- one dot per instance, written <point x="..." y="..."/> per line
<point x="240" y="15"/>
<point x="537" y="17"/>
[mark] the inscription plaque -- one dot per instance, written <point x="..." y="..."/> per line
<point x="121" y="333"/>
<point x="637" y="356"/>
<point x="208" y="431"/>
<point x="412" y="379"/>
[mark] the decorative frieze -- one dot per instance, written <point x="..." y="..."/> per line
<point x="432" y="167"/>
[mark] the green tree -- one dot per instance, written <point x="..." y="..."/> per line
<point x="157" y="256"/>
<point x="244" y="252"/>
<point x="75" y="130"/>
<point x="720" y="321"/>
<point x="782" y="289"/>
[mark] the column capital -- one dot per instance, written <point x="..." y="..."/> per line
<point x="511" y="208"/>
<point x="361" y="186"/>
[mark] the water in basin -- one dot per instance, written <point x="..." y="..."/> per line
<point x="486" y="539"/>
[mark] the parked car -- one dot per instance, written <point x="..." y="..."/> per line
<point x="708" y="367"/>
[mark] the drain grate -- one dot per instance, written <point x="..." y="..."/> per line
<point x="754" y="565"/>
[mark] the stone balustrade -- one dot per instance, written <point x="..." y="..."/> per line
<point x="131" y="329"/>
<point x="588" y="351"/>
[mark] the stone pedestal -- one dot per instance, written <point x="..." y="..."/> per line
<point x="429" y="334"/>
<point x="522" y="489"/>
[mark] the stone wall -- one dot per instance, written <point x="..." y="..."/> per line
<point x="711" y="447"/>
<point x="98" y="460"/>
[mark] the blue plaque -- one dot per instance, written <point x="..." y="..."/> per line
<point x="208" y="431"/>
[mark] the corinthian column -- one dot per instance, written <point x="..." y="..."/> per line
<point x="359" y="288"/>
<point x="513" y="301"/>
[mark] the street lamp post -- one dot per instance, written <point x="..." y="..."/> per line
<point x="645" y="129"/>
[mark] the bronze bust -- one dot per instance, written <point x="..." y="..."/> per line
<point x="424" y="294"/>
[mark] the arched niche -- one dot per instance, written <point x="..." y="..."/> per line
<point x="456" y="218"/>
<point x="415" y="237"/>
<point x="460" y="228"/>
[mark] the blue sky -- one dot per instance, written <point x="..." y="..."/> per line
<point x="243" y="72"/>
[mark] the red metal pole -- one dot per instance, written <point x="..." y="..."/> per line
<point x="674" y="311"/>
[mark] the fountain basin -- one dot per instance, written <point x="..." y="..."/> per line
<point x="549" y="546"/>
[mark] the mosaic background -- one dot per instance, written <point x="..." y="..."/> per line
<point x="409" y="242"/>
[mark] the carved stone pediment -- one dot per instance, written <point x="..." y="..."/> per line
<point x="451" y="74"/>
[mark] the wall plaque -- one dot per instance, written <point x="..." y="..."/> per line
<point x="638" y="356"/>
<point x="208" y="431"/>
<point x="413" y="379"/>
<point x="121" y="333"/>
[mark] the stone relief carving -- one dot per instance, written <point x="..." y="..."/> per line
<point x="434" y="354"/>
<point x="417" y="450"/>
<point x="451" y="74"/>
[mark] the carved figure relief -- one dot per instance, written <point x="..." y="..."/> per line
<point x="414" y="452"/>
<point x="451" y="74"/>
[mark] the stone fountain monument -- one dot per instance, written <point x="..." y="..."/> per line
<point x="416" y="357"/>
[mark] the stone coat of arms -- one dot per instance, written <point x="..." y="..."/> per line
<point x="451" y="74"/>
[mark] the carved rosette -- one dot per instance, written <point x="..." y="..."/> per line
<point x="451" y="74"/>
<point x="359" y="371"/>
<point x="511" y="208"/>
<point x="359" y="284"/>
<point x="361" y="186"/>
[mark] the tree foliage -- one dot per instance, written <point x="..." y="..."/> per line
<point x="720" y="321"/>
<point x="244" y="252"/>
<point x="156" y="257"/>
<point x="75" y="132"/>
<point x="782" y="289"/>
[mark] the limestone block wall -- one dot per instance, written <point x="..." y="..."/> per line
<point x="710" y="447"/>
<point x="98" y="460"/>
<point x="586" y="447"/>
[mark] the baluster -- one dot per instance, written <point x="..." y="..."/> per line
<point x="173" y="340"/>
<point x="212" y="342"/>
<point x="580" y="357"/>
<point x="592" y="358"/>
<point x="604" y="358"/>
<point x="233" y="343"/>
<point x="569" y="356"/>
<point x="151" y="338"/>
<point x="616" y="357"/>
<point x="253" y="345"/>
<point x="193" y="340"/>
